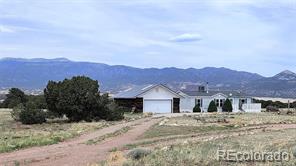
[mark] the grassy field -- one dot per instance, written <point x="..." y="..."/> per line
<point x="205" y="153"/>
<point x="194" y="124"/>
<point x="16" y="136"/>
<point x="163" y="130"/>
<point x="196" y="139"/>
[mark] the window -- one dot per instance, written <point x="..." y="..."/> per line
<point x="219" y="102"/>
<point x="231" y="100"/>
<point x="243" y="101"/>
<point x="198" y="102"/>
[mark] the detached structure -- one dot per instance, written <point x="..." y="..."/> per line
<point x="150" y="98"/>
<point x="202" y="97"/>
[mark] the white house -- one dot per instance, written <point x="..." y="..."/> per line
<point x="161" y="99"/>
<point x="203" y="97"/>
<point x="150" y="98"/>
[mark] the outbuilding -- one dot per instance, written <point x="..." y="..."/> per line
<point x="150" y="98"/>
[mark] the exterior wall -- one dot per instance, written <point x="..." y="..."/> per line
<point x="254" y="107"/>
<point x="205" y="103"/>
<point x="235" y="104"/>
<point x="207" y="100"/>
<point x="158" y="93"/>
<point x="187" y="104"/>
<point x="249" y="100"/>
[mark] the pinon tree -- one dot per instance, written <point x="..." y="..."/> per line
<point x="212" y="107"/>
<point x="79" y="99"/>
<point x="227" y="107"/>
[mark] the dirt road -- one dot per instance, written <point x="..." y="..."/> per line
<point x="75" y="152"/>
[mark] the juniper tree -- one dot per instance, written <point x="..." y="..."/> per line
<point x="212" y="107"/>
<point x="227" y="106"/>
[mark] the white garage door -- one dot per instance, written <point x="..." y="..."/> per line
<point x="158" y="106"/>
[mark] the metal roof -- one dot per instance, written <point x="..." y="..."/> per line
<point x="212" y="93"/>
<point x="138" y="90"/>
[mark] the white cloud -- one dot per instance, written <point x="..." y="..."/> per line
<point x="186" y="37"/>
<point x="5" y="29"/>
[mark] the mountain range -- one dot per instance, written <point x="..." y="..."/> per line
<point x="35" y="73"/>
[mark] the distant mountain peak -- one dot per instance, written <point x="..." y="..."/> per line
<point x="287" y="72"/>
<point x="286" y="75"/>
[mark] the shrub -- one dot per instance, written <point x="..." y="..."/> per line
<point x="52" y="115"/>
<point x="106" y="109"/>
<point x="196" y="108"/>
<point x="227" y="106"/>
<point x="39" y="100"/>
<point x="137" y="154"/>
<point x="14" y="98"/>
<point x="30" y="114"/>
<point x="114" y="112"/>
<point x="277" y="104"/>
<point x="272" y="109"/>
<point x="16" y="111"/>
<point x="212" y="107"/>
<point x="109" y="110"/>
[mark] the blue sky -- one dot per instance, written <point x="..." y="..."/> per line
<point x="249" y="35"/>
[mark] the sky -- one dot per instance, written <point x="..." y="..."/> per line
<point x="248" y="35"/>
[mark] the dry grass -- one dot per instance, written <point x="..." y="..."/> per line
<point x="202" y="123"/>
<point x="262" y="118"/>
<point x="16" y="136"/>
<point x="164" y="131"/>
<point x="195" y="151"/>
<point x="205" y="153"/>
<point x="128" y="116"/>
<point x="116" y="158"/>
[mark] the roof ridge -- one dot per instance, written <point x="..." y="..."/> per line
<point x="138" y="90"/>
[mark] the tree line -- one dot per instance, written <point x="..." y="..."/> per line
<point x="76" y="99"/>
<point x="276" y="104"/>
